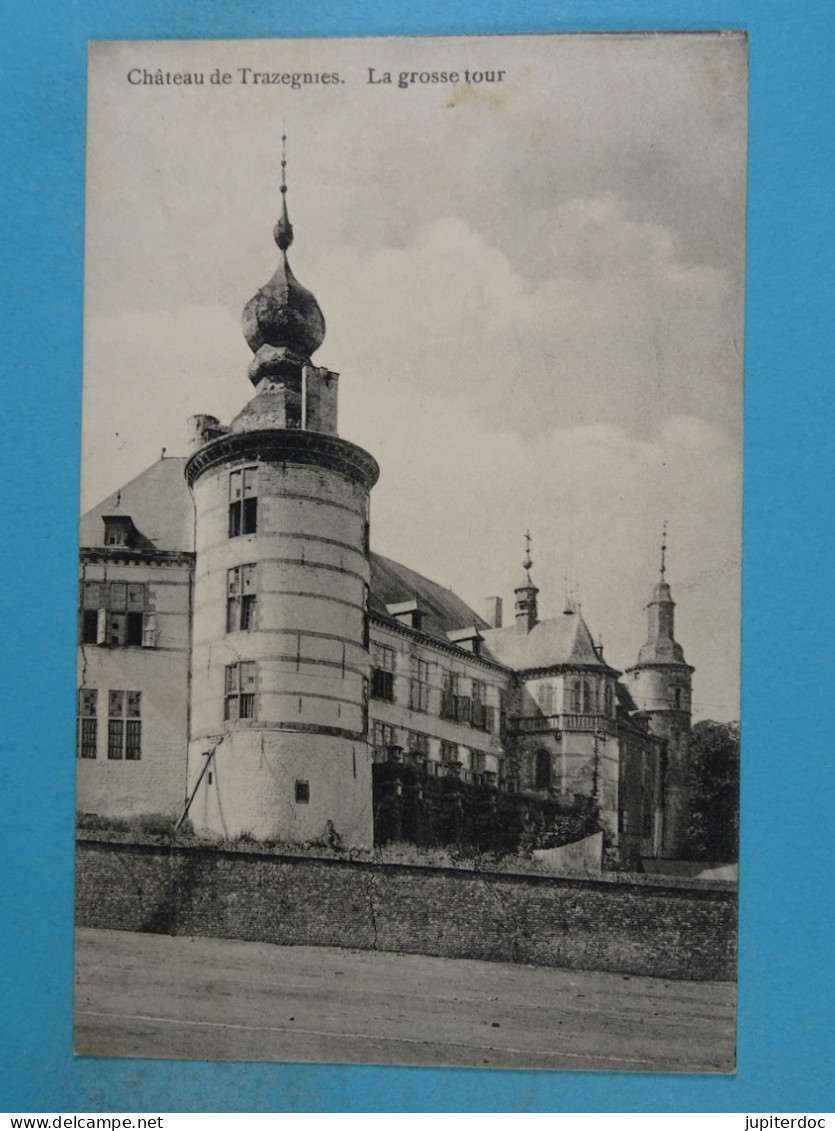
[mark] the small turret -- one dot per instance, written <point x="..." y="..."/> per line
<point x="526" y="593"/>
<point x="660" y="684"/>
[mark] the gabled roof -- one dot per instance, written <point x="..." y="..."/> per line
<point x="443" y="611"/>
<point x="161" y="507"/>
<point x="562" y="640"/>
<point x="159" y="503"/>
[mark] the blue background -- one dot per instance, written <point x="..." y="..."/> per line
<point x="786" y="977"/>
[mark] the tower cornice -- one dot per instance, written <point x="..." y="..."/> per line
<point x="660" y="666"/>
<point x="276" y="445"/>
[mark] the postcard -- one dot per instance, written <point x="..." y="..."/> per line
<point x="409" y="576"/>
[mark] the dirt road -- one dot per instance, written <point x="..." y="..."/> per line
<point x="222" y="999"/>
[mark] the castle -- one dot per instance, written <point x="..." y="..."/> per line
<point x="244" y="656"/>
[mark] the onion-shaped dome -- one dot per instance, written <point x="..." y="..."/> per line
<point x="282" y="323"/>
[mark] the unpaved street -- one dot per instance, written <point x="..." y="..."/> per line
<point x="159" y="996"/>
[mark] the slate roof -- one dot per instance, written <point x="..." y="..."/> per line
<point x="158" y="501"/>
<point x="392" y="584"/>
<point x="160" y="505"/>
<point x="560" y="640"/>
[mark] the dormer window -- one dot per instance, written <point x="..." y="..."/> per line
<point x="467" y="638"/>
<point x="119" y="530"/>
<point x="407" y="612"/>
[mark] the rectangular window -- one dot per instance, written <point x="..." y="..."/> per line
<point x="463" y="708"/>
<point x="384" y="735"/>
<point x="243" y="501"/>
<point x="124" y="725"/>
<point x="382" y="673"/>
<point x="240" y="598"/>
<point x="302" y="792"/>
<point x="382" y="656"/>
<point x="87" y="722"/>
<point x="419" y="687"/>
<point x="478" y="711"/>
<point x="478" y="761"/>
<point x="113" y="613"/>
<point x="382" y="685"/>
<point x="239" y="702"/>
<point x="490" y="719"/>
<point x="545" y="698"/>
<point x="448" y="696"/>
<point x="419" y="744"/>
<point x="449" y="751"/>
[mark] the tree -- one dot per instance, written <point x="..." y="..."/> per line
<point x="713" y="831"/>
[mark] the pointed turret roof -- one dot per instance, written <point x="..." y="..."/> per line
<point x="661" y="646"/>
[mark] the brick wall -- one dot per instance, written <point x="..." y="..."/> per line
<point x="646" y="925"/>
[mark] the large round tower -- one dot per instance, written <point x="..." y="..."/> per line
<point x="279" y="682"/>
<point x="660" y="684"/>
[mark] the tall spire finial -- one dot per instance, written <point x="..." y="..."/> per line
<point x="528" y="560"/>
<point x="283" y="231"/>
<point x="663" y="549"/>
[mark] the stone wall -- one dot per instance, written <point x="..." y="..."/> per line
<point x="641" y="925"/>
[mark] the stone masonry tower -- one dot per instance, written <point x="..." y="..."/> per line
<point x="660" y="684"/>
<point x="279" y="681"/>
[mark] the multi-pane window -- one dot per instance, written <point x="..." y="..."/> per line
<point x="448" y="696"/>
<point x="114" y="614"/>
<point x="545" y="698"/>
<point x="419" y="744"/>
<point x="479" y="694"/>
<point x="449" y="751"/>
<point x="243" y="501"/>
<point x="502" y="712"/>
<point x="419" y="687"/>
<point x="583" y="697"/>
<point x="240" y="598"/>
<point x="463" y="708"/>
<point x="302" y="792"/>
<point x="239" y="702"/>
<point x="88" y="723"/>
<point x="608" y="699"/>
<point x="478" y="761"/>
<point x="382" y="672"/>
<point x="383" y="734"/>
<point x="124" y="725"/>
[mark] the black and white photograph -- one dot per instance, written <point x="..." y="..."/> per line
<point x="408" y="716"/>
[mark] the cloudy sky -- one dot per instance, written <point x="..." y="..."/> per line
<point x="533" y="290"/>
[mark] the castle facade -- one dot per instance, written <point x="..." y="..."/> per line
<point x="245" y="657"/>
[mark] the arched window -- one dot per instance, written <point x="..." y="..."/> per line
<point x="677" y="696"/>
<point x="545" y="698"/>
<point x="608" y="700"/>
<point x="542" y="770"/>
<point x="584" y="704"/>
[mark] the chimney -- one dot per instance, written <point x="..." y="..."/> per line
<point x="493" y="612"/>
